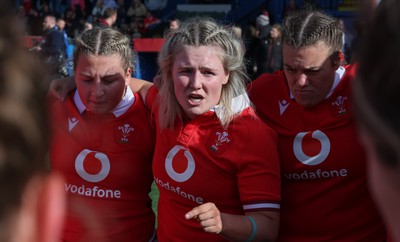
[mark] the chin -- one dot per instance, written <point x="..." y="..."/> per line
<point x="192" y="113"/>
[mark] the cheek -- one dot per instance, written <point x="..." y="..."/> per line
<point x="115" y="95"/>
<point x="290" y="79"/>
<point x="215" y="91"/>
<point x="84" y="90"/>
<point x="179" y="85"/>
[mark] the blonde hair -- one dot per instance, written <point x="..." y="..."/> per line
<point x="201" y="31"/>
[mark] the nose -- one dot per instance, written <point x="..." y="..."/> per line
<point x="97" y="89"/>
<point x="301" y="79"/>
<point x="195" y="83"/>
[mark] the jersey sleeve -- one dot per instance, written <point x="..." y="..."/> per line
<point x="259" y="173"/>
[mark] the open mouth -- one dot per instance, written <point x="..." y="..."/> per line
<point x="194" y="98"/>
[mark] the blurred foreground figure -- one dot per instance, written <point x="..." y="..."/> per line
<point x="32" y="200"/>
<point x="377" y="100"/>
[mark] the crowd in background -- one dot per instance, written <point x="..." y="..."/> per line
<point x="135" y="17"/>
<point x="144" y="19"/>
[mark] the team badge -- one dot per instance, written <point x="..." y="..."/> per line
<point x="339" y="106"/>
<point x="123" y="132"/>
<point x="219" y="141"/>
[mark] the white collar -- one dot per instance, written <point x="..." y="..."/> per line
<point x="338" y="76"/>
<point x="127" y="101"/>
<point x="238" y="104"/>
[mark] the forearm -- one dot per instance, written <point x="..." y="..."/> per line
<point x="140" y="86"/>
<point x="240" y="228"/>
<point x="137" y="84"/>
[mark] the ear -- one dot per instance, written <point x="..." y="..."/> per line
<point x="128" y="75"/>
<point x="226" y="79"/>
<point x="51" y="207"/>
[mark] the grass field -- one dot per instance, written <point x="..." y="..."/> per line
<point x="154" y="197"/>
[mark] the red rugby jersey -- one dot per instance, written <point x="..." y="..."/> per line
<point x="323" y="167"/>
<point x="106" y="160"/>
<point x="199" y="162"/>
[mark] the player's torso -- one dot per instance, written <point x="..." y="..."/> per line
<point x="192" y="167"/>
<point x="323" y="170"/>
<point x="107" y="163"/>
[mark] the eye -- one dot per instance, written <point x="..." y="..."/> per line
<point x="209" y="73"/>
<point x="289" y="69"/>
<point x="311" y="72"/>
<point x="86" y="80"/>
<point x="107" y="81"/>
<point x="185" y="71"/>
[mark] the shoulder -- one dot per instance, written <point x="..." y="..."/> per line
<point x="265" y="82"/>
<point x="251" y="128"/>
<point x="349" y="76"/>
<point x="266" y="87"/>
<point x="59" y="109"/>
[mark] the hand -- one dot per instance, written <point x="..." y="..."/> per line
<point x="157" y="81"/>
<point x="59" y="88"/>
<point x="208" y="216"/>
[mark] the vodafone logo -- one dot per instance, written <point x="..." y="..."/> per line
<point x="169" y="167"/>
<point x="98" y="156"/>
<point x="303" y="140"/>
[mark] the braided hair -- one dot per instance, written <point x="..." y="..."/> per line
<point x="308" y="27"/>
<point x="104" y="41"/>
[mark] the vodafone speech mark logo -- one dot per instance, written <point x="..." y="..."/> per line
<point x="169" y="167"/>
<point x="300" y="141"/>
<point x="100" y="175"/>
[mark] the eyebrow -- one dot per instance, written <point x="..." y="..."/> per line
<point x="85" y="74"/>
<point x="313" y="68"/>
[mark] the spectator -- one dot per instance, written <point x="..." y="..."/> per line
<point x="52" y="48"/>
<point x="251" y="42"/>
<point x="103" y="141"/>
<point x="98" y="10"/>
<point x="269" y="54"/>
<point x="323" y="164"/>
<point x="137" y="11"/>
<point x="87" y="26"/>
<point x="134" y="30"/>
<point x="109" y="17"/>
<point x="32" y="199"/>
<point x="376" y="96"/>
<point x="61" y="27"/>
<point x="174" y="24"/>
<point x="263" y="25"/>
<point x="151" y="24"/>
